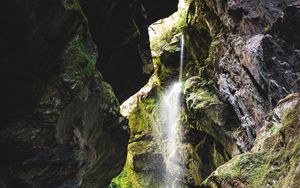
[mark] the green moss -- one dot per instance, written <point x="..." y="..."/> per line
<point x="197" y="97"/>
<point x="290" y="117"/>
<point x="80" y="51"/>
<point x="83" y="59"/>
<point x="244" y="169"/>
<point x="138" y="173"/>
<point x="276" y="165"/>
<point x="211" y="49"/>
<point x="132" y="175"/>
<point x="71" y="5"/>
<point x="122" y="181"/>
<point x="163" y="40"/>
<point x="141" y="120"/>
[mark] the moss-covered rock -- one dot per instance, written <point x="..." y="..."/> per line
<point x="209" y="114"/>
<point x="145" y="162"/>
<point x="205" y="122"/>
<point x="275" y="159"/>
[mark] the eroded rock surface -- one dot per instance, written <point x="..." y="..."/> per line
<point x="254" y="52"/>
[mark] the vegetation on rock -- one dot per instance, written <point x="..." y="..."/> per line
<point x="273" y="165"/>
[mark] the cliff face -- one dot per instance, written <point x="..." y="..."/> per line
<point x="60" y="122"/>
<point x="274" y="161"/>
<point x="254" y="52"/>
<point x="240" y="93"/>
<point x="255" y="58"/>
<point x="60" y="119"/>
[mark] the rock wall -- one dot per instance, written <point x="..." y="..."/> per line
<point x="60" y="122"/>
<point x="255" y="57"/>
<point x="242" y="61"/>
<point x="253" y="61"/>
<point x="60" y="125"/>
<point x="274" y="161"/>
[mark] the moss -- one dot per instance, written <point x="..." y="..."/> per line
<point x="290" y="117"/>
<point x="211" y="49"/>
<point x="71" y="4"/>
<point x="242" y="170"/>
<point x="83" y="58"/>
<point x="197" y="97"/>
<point x="141" y="120"/>
<point x="80" y="51"/>
<point x="159" y="42"/>
<point x="139" y="170"/>
<point x="122" y="181"/>
<point x="275" y="166"/>
<point x="136" y="172"/>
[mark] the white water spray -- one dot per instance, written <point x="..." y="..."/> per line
<point x="169" y="114"/>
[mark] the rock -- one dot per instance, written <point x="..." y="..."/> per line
<point x="210" y="114"/>
<point x="145" y="165"/>
<point x="60" y="125"/>
<point x="274" y="161"/>
<point x="253" y="66"/>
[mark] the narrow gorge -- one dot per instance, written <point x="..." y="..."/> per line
<point x="150" y="94"/>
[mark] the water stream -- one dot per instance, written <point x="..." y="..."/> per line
<point x="169" y="114"/>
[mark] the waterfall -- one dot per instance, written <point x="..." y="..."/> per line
<point x="181" y="58"/>
<point x="169" y="114"/>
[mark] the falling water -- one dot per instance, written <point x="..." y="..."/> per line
<point x="181" y="58"/>
<point x="169" y="113"/>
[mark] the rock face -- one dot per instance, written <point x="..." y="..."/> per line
<point x="205" y="125"/>
<point x="241" y="68"/>
<point x="60" y="125"/>
<point x="60" y="122"/>
<point x="253" y="61"/>
<point x="254" y="52"/>
<point x="274" y="161"/>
